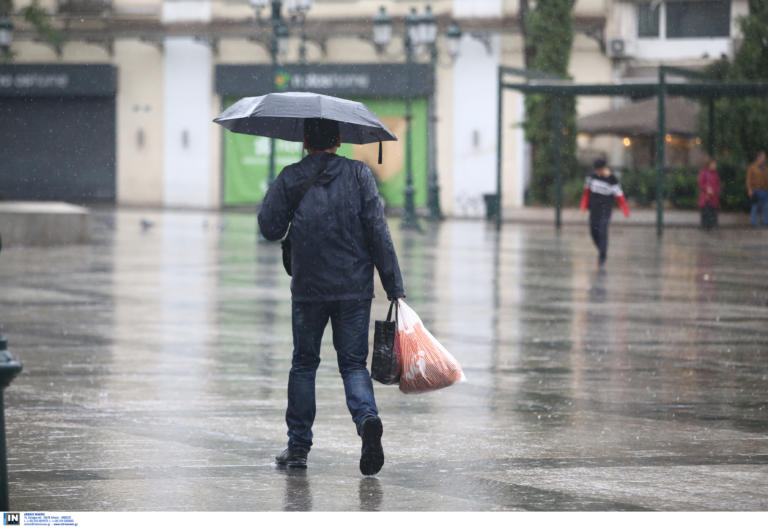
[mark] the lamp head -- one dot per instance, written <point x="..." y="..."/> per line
<point x="382" y="28"/>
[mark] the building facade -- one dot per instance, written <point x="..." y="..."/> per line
<point x="121" y="109"/>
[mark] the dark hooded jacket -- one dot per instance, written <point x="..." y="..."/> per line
<point x="338" y="231"/>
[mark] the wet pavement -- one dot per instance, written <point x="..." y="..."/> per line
<point x="156" y="362"/>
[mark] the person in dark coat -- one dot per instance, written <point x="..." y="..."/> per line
<point x="338" y="235"/>
<point x="709" y="194"/>
<point x="600" y="189"/>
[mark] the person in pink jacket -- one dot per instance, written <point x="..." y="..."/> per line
<point x="709" y="194"/>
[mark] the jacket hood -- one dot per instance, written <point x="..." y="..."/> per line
<point x="312" y="163"/>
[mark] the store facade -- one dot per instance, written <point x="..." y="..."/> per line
<point x="57" y="130"/>
<point x="381" y="87"/>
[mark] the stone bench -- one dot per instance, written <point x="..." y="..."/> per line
<point x="31" y="223"/>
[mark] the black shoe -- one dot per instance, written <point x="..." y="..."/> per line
<point x="372" y="457"/>
<point x="292" y="458"/>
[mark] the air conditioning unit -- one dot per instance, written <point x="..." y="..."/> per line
<point x="620" y="48"/>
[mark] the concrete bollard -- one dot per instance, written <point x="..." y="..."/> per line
<point x="9" y="368"/>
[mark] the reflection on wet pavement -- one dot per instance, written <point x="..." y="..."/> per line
<point x="298" y="493"/>
<point x="156" y="363"/>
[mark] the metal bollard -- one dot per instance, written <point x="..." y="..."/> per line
<point x="9" y="368"/>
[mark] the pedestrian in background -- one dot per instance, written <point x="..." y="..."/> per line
<point x="709" y="194"/>
<point x="600" y="189"/>
<point x="757" y="188"/>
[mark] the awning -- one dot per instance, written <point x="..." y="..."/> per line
<point x="639" y="119"/>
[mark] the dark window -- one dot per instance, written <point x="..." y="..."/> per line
<point x="648" y="19"/>
<point x="695" y="19"/>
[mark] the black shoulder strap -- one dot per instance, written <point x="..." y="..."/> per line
<point x="305" y="187"/>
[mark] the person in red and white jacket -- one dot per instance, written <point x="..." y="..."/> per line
<point x="600" y="189"/>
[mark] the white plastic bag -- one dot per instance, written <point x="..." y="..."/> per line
<point x="425" y="364"/>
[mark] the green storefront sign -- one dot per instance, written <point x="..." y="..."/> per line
<point x="246" y="158"/>
<point x="246" y="165"/>
<point x="382" y="87"/>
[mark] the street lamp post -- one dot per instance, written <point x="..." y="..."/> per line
<point x="298" y="10"/>
<point x="382" y="35"/>
<point x="278" y="47"/>
<point x="279" y="36"/>
<point x="419" y="30"/>
<point x="411" y="37"/>
<point x="428" y="32"/>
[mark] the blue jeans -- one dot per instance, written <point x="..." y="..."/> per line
<point x="761" y="202"/>
<point x="350" y="320"/>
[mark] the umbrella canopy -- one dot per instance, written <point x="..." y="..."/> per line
<point x="639" y="119"/>
<point x="281" y="115"/>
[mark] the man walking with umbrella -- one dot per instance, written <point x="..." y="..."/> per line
<point x="337" y="235"/>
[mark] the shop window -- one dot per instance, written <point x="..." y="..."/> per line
<point x="694" y="19"/>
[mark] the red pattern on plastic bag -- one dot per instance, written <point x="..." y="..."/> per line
<point x="425" y="364"/>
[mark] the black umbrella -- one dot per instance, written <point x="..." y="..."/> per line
<point x="281" y="115"/>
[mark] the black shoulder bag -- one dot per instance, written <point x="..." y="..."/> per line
<point x="286" y="242"/>
<point x="385" y="363"/>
